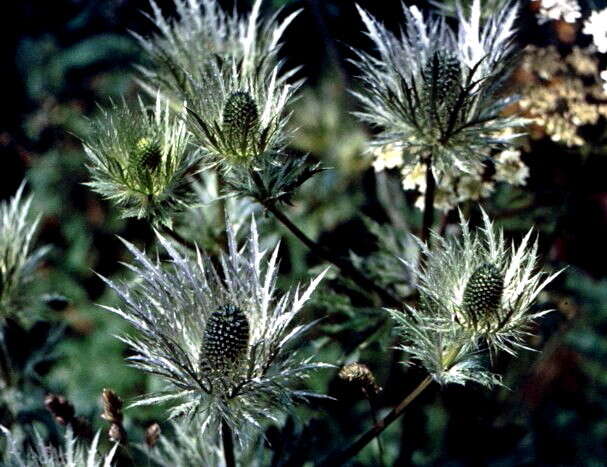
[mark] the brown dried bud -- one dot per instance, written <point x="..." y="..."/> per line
<point x="152" y="433"/>
<point x="60" y="407"/>
<point x="112" y="407"/>
<point x="361" y="376"/>
<point x="117" y="434"/>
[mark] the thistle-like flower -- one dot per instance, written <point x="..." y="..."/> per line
<point x="73" y="453"/>
<point x="218" y="337"/>
<point x="431" y="91"/>
<point x="475" y="292"/>
<point x="140" y="159"/>
<point x="202" y="35"/>
<point x="17" y="259"/>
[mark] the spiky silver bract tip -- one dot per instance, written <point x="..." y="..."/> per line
<point x="476" y="294"/>
<point x="433" y="90"/>
<point x="217" y="337"/>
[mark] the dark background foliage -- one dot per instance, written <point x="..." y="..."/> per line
<point x="61" y="58"/>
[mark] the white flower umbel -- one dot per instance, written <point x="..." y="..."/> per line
<point x="221" y="338"/>
<point x="431" y="91"/>
<point x="476" y="291"/>
<point x="596" y="26"/>
<point x="566" y="10"/>
<point x="17" y="259"/>
<point x="74" y="453"/>
<point x="140" y="159"/>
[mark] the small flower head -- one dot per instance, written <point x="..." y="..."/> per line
<point x="432" y="90"/>
<point x="141" y="159"/>
<point x="219" y="338"/>
<point x="476" y="291"/>
<point x="202" y="34"/>
<point x="17" y="259"/>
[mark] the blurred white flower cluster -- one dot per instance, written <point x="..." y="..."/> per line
<point x="596" y="26"/>
<point x="567" y="10"/>
<point x="453" y="189"/>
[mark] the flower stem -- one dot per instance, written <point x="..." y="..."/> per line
<point x="343" y="456"/>
<point x="228" y="444"/>
<point x="178" y="238"/>
<point x="375" y="421"/>
<point x="428" y="201"/>
<point x="346" y="267"/>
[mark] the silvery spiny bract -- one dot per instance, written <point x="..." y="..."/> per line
<point x="476" y="291"/>
<point x="74" y="452"/>
<point x="184" y="447"/>
<point x="204" y="34"/>
<point x="219" y="337"/>
<point x="431" y="91"/>
<point x="140" y="159"/>
<point x="17" y="260"/>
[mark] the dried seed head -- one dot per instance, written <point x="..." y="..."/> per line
<point x="60" y="407"/>
<point x="240" y="119"/>
<point x="226" y="339"/>
<point x="152" y="434"/>
<point x="117" y="434"/>
<point x="360" y="375"/>
<point x="483" y="294"/>
<point x="112" y="406"/>
<point x="147" y="154"/>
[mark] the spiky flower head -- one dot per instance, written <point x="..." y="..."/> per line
<point x="218" y="337"/>
<point x="17" y="258"/>
<point x="202" y="34"/>
<point x="74" y="452"/>
<point x="476" y="293"/>
<point x="140" y="158"/>
<point x="432" y="91"/>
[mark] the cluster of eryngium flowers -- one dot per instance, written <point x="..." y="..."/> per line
<point x="432" y="92"/>
<point x="220" y="338"/>
<point x="475" y="292"/>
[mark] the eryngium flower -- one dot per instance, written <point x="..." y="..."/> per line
<point x="476" y="291"/>
<point x="204" y="33"/>
<point x="432" y="92"/>
<point x="73" y="453"/>
<point x="17" y="260"/>
<point x="220" y="338"/>
<point x="140" y="159"/>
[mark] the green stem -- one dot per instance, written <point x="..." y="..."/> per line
<point x="342" y="457"/>
<point x="345" y="266"/>
<point x="228" y="444"/>
<point x="178" y="237"/>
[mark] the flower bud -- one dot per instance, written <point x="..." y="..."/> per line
<point x="226" y="339"/>
<point x="361" y="376"/>
<point x="483" y="294"/>
<point x="148" y="154"/>
<point x="240" y="120"/>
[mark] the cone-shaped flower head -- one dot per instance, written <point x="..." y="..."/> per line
<point x="432" y="90"/>
<point x="219" y="338"/>
<point x="476" y="292"/>
<point x="140" y="159"/>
